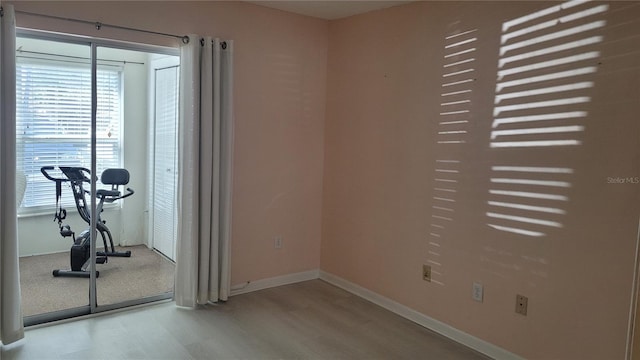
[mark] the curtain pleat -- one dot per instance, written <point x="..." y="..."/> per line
<point x="188" y="150"/>
<point x="226" y="165"/>
<point x="205" y="145"/>
<point x="206" y="282"/>
<point x="11" y="326"/>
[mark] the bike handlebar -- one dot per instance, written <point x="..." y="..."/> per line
<point x="129" y="193"/>
<point x="70" y="173"/>
<point x="44" y="170"/>
<point x="65" y="170"/>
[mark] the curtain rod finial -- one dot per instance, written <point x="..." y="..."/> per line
<point x="185" y="39"/>
<point x="98" y="25"/>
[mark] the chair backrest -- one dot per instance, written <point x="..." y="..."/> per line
<point x="115" y="177"/>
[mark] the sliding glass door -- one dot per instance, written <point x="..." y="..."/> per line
<point x="86" y="115"/>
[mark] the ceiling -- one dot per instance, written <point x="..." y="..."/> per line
<point x="329" y="9"/>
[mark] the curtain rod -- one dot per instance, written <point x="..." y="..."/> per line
<point x="99" y="25"/>
<point x="20" y="50"/>
<point x="223" y="44"/>
<point x="58" y="60"/>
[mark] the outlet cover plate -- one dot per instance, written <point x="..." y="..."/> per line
<point x="521" y="304"/>
<point x="478" y="292"/>
<point x="426" y="272"/>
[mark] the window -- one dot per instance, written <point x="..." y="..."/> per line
<point x="53" y="115"/>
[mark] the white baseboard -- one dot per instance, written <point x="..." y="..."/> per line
<point x="441" y="328"/>
<point x="274" y="281"/>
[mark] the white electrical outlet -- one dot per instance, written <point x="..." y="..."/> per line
<point x="277" y="242"/>
<point x="478" y="292"/>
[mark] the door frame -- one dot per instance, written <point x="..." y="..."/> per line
<point x="93" y="43"/>
<point x="633" y="333"/>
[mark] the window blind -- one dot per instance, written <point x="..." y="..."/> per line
<point x="53" y="118"/>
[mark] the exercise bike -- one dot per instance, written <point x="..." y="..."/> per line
<point x="80" y="253"/>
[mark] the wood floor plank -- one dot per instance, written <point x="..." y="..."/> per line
<point x="308" y="320"/>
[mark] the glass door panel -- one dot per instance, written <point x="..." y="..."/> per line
<point x="134" y="272"/>
<point x="53" y="115"/>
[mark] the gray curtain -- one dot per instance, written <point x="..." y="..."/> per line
<point x="11" y="328"/>
<point x="205" y="169"/>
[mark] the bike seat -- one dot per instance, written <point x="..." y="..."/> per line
<point x="110" y="193"/>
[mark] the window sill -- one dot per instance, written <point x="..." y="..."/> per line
<point x="50" y="212"/>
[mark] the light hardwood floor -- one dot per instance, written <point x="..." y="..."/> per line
<point x="308" y="320"/>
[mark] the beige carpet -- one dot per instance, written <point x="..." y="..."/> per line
<point x="145" y="273"/>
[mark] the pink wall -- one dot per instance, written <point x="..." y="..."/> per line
<point x="280" y="75"/>
<point x="385" y="77"/>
